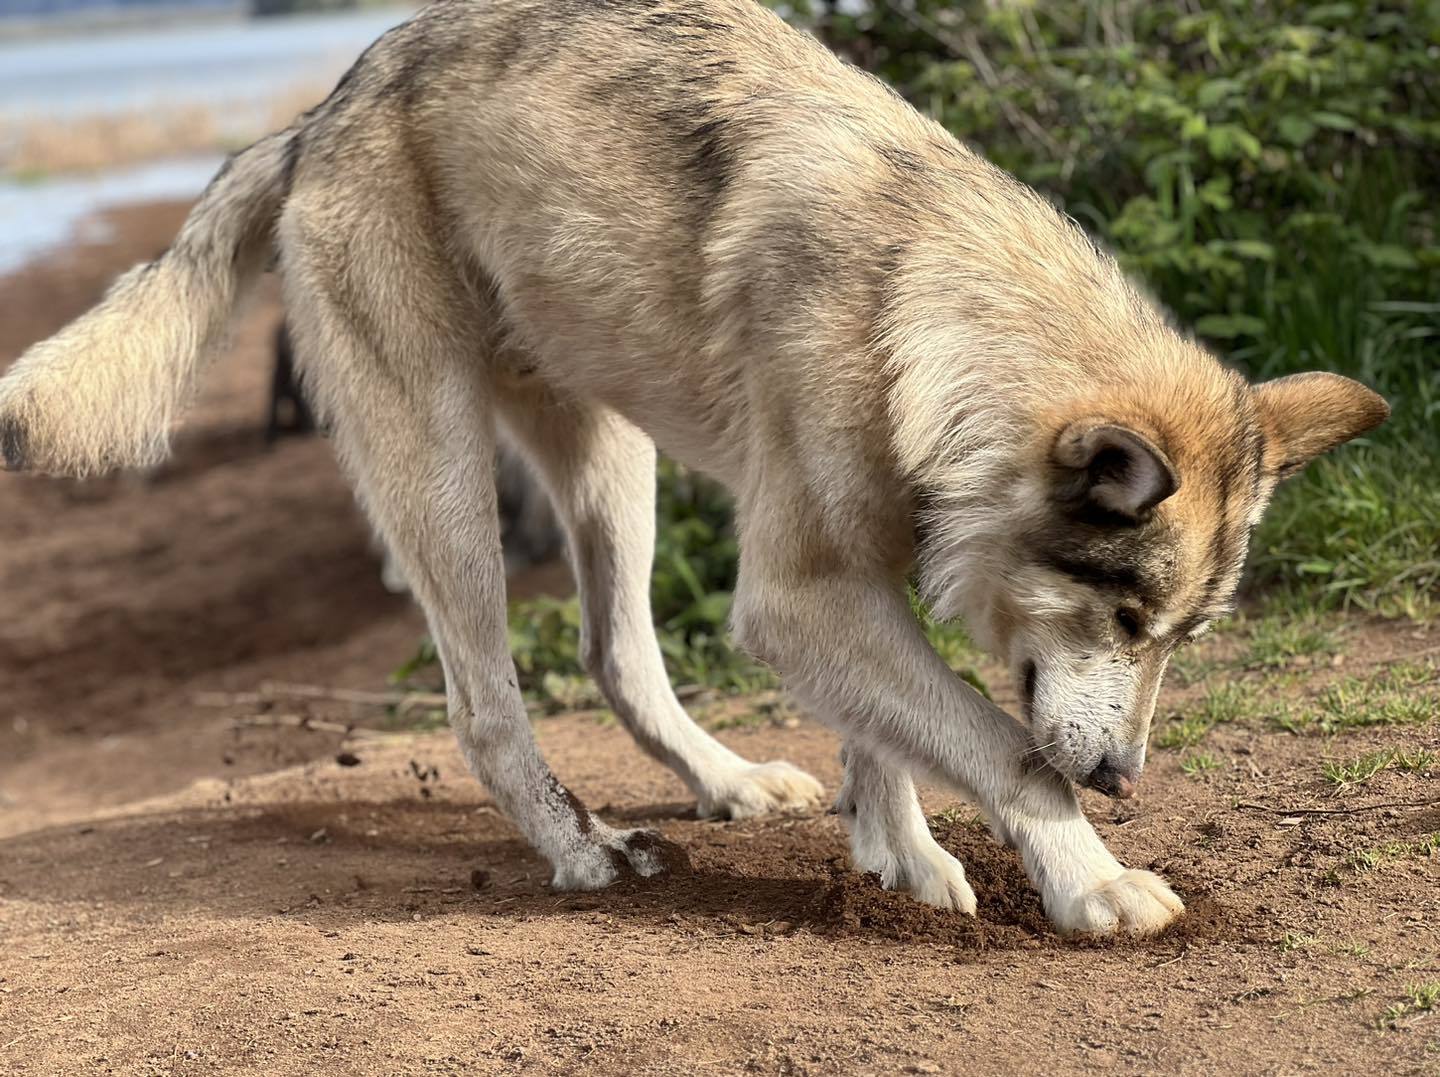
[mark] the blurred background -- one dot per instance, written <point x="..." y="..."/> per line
<point x="1270" y="170"/>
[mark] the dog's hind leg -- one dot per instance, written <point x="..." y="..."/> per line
<point x="408" y="400"/>
<point x="600" y="471"/>
<point x="889" y="835"/>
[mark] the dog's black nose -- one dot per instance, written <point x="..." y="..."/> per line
<point x="1113" y="782"/>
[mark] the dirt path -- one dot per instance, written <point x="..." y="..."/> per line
<point x="181" y="893"/>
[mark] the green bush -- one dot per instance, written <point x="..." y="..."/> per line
<point x="1272" y="171"/>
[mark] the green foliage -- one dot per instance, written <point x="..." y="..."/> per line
<point x="696" y="559"/>
<point x="1404" y="693"/>
<point x="1200" y="763"/>
<point x="1226" y="702"/>
<point x="1419" y="999"/>
<point x="1343" y="774"/>
<point x="1269" y="169"/>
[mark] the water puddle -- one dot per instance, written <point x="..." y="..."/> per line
<point x="35" y="217"/>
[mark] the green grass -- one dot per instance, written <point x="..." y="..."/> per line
<point x="1276" y="641"/>
<point x="1293" y="940"/>
<point x="1402" y="694"/>
<point x="1223" y="703"/>
<point x="1419" y="999"/>
<point x="1344" y="775"/>
<point x="1393" y="852"/>
<point x="958" y="815"/>
<point x="1200" y="763"/>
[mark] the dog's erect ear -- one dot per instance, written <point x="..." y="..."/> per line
<point x="1114" y="468"/>
<point x="1307" y="414"/>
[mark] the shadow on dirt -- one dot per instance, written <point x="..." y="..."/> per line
<point x="338" y="863"/>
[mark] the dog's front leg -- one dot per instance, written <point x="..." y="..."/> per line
<point x="853" y="653"/>
<point x="889" y="835"/>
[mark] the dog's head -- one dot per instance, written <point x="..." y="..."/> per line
<point x="1128" y="535"/>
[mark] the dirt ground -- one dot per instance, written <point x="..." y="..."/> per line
<point x="191" y="883"/>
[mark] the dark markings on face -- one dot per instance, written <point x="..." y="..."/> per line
<point x="1189" y="625"/>
<point x="1133" y="562"/>
<point x="1122" y="577"/>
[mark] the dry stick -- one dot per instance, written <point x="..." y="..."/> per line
<point x="275" y="689"/>
<point x="271" y="691"/>
<point x="1415" y="804"/>
<point x="300" y="721"/>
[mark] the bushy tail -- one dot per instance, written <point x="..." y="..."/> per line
<point x="103" y="392"/>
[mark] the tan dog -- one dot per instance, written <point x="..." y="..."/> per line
<point x="605" y="223"/>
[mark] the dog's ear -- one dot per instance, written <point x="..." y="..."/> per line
<point x="1113" y="468"/>
<point x="1305" y="415"/>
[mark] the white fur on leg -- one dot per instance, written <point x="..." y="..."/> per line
<point x="1137" y="903"/>
<point x="594" y="865"/>
<point x="752" y="789"/>
<point x="889" y="836"/>
<point x="601" y="474"/>
<point x="1083" y="887"/>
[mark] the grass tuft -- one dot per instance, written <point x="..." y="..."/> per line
<point x="1419" y="999"/>
<point x="1200" y="763"/>
<point x="1276" y="641"/>
<point x="1393" y="852"/>
<point x="1222" y="704"/>
<point x="1402" y="694"/>
<point x="1344" y="775"/>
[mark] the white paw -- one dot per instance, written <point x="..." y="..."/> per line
<point x="760" y="789"/>
<point x="934" y="878"/>
<point x="1135" y="903"/>
<point x="606" y="855"/>
<point x="926" y="872"/>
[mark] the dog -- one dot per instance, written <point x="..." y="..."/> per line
<point x="529" y="533"/>
<point x="605" y="226"/>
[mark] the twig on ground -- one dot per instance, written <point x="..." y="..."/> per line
<point x="300" y="721"/>
<point x="1411" y="804"/>
<point x="273" y="691"/>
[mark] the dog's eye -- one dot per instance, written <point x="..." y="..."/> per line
<point x="1128" y="621"/>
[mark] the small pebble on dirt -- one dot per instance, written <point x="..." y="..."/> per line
<point x="348" y="759"/>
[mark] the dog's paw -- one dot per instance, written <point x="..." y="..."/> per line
<point x="913" y="863"/>
<point x="609" y="855"/>
<point x="761" y="789"/>
<point x="1134" y="903"/>
<point x="931" y="876"/>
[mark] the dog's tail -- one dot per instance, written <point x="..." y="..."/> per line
<point x="102" y="393"/>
